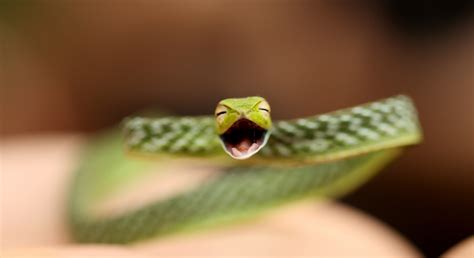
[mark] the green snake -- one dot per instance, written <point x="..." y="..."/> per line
<point x="263" y="164"/>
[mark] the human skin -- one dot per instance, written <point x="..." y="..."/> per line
<point x="35" y="174"/>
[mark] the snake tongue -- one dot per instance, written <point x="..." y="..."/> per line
<point x="244" y="147"/>
<point x="244" y="150"/>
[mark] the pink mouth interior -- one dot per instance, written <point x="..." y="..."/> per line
<point x="243" y="138"/>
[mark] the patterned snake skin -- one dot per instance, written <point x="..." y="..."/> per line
<point x="331" y="154"/>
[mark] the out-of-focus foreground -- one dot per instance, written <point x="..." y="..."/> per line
<point x="83" y="66"/>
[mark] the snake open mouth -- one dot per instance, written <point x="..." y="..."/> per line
<point x="243" y="139"/>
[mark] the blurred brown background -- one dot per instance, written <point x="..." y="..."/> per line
<point x="84" y="65"/>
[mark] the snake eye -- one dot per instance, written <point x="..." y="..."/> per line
<point x="220" y="112"/>
<point x="264" y="106"/>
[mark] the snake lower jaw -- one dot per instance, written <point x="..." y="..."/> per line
<point x="244" y="139"/>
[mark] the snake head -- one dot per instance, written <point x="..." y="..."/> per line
<point x="243" y="125"/>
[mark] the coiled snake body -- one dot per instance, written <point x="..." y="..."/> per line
<point x="285" y="161"/>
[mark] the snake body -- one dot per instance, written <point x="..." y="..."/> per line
<point x="327" y="155"/>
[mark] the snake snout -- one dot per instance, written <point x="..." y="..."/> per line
<point x="243" y="139"/>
